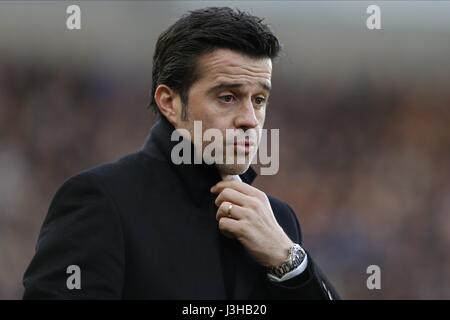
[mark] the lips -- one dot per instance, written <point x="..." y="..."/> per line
<point x="244" y="146"/>
<point x="246" y="143"/>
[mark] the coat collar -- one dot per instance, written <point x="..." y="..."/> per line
<point x="197" y="178"/>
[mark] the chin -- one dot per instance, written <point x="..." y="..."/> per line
<point x="232" y="169"/>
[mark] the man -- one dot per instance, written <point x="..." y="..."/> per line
<point x="146" y="228"/>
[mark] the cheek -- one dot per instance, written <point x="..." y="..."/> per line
<point x="201" y="108"/>
<point x="261" y="116"/>
<point x="259" y="134"/>
<point x="195" y="109"/>
<point x="211" y="117"/>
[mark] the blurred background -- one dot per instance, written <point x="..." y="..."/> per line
<point x="364" y="119"/>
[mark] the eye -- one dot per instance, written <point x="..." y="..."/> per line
<point x="260" y="100"/>
<point x="227" y="98"/>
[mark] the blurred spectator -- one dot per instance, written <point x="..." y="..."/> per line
<point x="365" y="165"/>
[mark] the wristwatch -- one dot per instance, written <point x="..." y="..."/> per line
<point x="295" y="258"/>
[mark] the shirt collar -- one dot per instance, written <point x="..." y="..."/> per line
<point x="197" y="178"/>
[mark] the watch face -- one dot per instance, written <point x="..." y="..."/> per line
<point x="296" y="257"/>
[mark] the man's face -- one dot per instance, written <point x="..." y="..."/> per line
<point x="231" y="93"/>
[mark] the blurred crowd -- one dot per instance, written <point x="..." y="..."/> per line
<point x="365" y="165"/>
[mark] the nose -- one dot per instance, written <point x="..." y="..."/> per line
<point x="246" y="117"/>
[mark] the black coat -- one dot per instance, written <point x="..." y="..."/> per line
<point x="144" y="228"/>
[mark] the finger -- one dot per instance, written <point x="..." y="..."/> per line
<point x="234" y="197"/>
<point x="224" y="211"/>
<point x="238" y="186"/>
<point x="230" y="227"/>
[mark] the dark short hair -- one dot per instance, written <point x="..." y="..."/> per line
<point x="203" y="31"/>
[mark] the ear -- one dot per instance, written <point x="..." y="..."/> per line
<point x="168" y="103"/>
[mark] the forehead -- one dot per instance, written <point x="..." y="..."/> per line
<point x="224" y="65"/>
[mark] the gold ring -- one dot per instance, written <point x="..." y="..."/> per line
<point x="230" y="206"/>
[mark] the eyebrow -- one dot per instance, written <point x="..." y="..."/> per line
<point x="224" y="85"/>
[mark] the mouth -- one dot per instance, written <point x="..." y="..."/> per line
<point x="244" y="146"/>
<point x="245" y="142"/>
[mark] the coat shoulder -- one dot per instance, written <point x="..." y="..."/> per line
<point x="130" y="170"/>
<point x="126" y="166"/>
